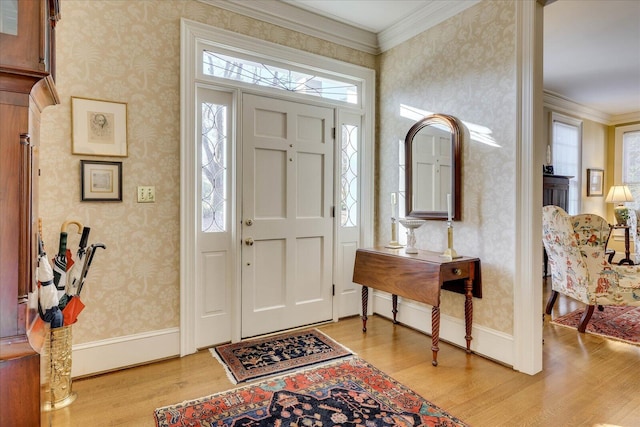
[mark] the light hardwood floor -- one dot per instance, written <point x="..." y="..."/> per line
<point x="586" y="381"/>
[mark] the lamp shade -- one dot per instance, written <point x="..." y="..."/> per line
<point x="619" y="194"/>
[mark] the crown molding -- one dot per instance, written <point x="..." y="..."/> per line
<point x="430" y="15"/>
<point x="620" y="119"/>
<point x="303" y="21"/>
<point x="563" y="104"/>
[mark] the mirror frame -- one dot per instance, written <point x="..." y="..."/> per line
<point x="456" y="141"/>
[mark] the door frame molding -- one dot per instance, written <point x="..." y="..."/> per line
<point x="193" y="36"/>
<point x="527" y="316"/>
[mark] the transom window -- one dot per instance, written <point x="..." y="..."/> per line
<point x="262" y="74"/>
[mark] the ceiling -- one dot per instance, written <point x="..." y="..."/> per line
<point x="591" y="48"/>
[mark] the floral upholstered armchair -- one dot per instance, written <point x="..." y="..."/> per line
<point x="593" y="230"/>
<point x="581" y="271"/>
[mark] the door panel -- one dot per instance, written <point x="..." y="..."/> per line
<point x="270" y="270"/>
<point x="287" y="229"/>
<point x="271" y="187"/>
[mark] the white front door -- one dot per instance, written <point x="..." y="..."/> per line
<point x="287" y="223"/>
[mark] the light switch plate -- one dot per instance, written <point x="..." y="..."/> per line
<point x="146" y="194"/>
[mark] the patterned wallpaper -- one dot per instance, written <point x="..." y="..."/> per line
<point x="465" y="67"/>
<point x="129" y="51"/>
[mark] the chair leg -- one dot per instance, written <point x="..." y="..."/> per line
<point x="586" y="316"/>
<point x="551" y="301"/>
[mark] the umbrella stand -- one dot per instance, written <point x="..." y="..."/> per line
<point x="58" y="360"/>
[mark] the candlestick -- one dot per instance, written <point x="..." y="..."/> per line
<point x="393" y="244"/>
<point x="548" y="154"/>
<point x="449" y="207"/>
<point x="450" y="254"/>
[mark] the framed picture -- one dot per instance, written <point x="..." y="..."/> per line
<point x="101" y="181"/>
<point x="595" y="182"/>
<point x="99" y="128"/>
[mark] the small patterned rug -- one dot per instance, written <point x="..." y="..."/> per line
<point x="257" y="358"/>
<point x="618" y="323"/>
<point x="344" y="393"/>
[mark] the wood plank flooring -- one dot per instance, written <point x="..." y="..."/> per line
<point x="586" y="381"/>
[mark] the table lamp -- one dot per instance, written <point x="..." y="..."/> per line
<point x="620" y="194"/>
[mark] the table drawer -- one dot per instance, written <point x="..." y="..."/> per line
<point x="454" y="272"/>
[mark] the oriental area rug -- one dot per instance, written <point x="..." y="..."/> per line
<point x="348" y="392"/>
<point x="258" y="358"/>
<point x="618" y="323"/>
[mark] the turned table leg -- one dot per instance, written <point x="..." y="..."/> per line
<point x="365" y="300"/>
<point x="468" y="311"/>
<point x="394" y="310"/>
<point x="435" y="333"/>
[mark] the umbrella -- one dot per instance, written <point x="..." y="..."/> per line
<point x="75" y="305"/>
<point x="62" y="260"/>
<point x="47" y="301"/>
<point x="74" y="273"/>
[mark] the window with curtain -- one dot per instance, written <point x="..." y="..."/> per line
<point x="566" y="148"/>
<point x="630" y="136"/>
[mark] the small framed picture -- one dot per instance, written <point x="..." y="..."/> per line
<point x="595" y="182"/>
<point x="101" y="181"/>
<point x="99" y="128"/>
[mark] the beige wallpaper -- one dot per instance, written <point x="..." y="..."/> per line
<point x="465" y="67"/>
<point x="129" y="51"/>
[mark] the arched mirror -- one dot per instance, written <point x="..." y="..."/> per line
<point x="432" y="154"/>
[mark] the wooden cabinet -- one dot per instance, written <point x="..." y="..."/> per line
<point x="555" y="190"/>
<point x="26" y="88"/>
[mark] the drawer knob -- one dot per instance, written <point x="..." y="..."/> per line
<point x="457" y="272"/>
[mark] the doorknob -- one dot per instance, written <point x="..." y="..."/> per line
<point x="249" y="222"/>
<point x="248" y="241"/>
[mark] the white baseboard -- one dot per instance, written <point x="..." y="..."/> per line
<point x="487" y="342"/>
<point x="121" y="352"/>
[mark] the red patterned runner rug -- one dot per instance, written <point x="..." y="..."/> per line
<point x="615" y="322"/>
<point x="258" y="358"/>
<point x="348" y="392"/>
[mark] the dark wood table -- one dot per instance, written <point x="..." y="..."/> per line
<point x="419" y="277"/>
<point x="627" y="251"/>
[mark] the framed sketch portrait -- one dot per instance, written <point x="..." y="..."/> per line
<point x="99" y="128"/>
<point x="595" y="182"/>
<point x="101" y="181"/>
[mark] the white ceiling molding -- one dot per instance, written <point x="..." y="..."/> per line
<point x="565" y="105"/>
<point x="430" y="15"/>
<point x="303" y="21"/>
<point x="297" y="19"/>
<point x="625" y="118"/>
<point x="561" y="104"/>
